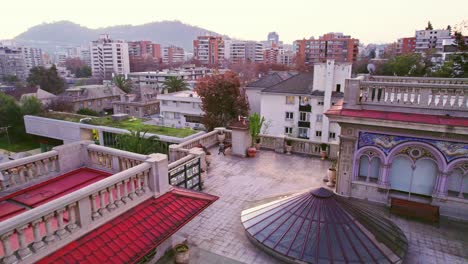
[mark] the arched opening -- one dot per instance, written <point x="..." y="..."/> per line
<point x="457" y="185"/>
<point x="369" y="171"/>
<point x="418" y="179"/>
<point x="401" y="173"/>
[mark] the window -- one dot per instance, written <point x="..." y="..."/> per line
<point x="318" y="133"/>
<point x="99" y="102"/>
<point x="89" y="103"/>
<point x="332" y="135"/>
<point x="304" y="100"/>
<point x="458" y="184"/>
<point x="369" y="171"/>
<point x="289" y="99"/>
<point x="176" y="115"/>
<point x="303" y="132"/>
<point x="164" y="102"/>
<point x="289" y="115"/>
<point x="338" y="88"/>
<point x="319" y="118"/>
<point x="288" y="130"/>
<point x="303" y="117"/>
<point x="320" y="103"/>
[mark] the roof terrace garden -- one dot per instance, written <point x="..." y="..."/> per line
<point x="129" y="124"/>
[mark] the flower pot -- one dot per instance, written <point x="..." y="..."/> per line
<point x="331" y="177"/>
<point x="323" y="154"/>
<point x="288" y="149"/>
<point x="182" y="254"/>
<point x="258" y="146"/>
<point x="221" y="137"/>
<point x="251" y="152"/>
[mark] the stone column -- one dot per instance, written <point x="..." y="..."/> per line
<point x="345" y="165"/>
<point x="384" y="180"/>
<point x="173" y="152"/>
<point x="158" y="177"/>
<point x="241" y="140"/>
<point x="279" y="143"/>
<point x="101" y="137"/>
<point x="440" y="189"/>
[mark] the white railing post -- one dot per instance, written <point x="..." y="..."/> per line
<point x="158" y="176"/>
<point x="9" y="257"/>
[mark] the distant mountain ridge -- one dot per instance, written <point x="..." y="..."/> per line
<point x="64" y="33"/>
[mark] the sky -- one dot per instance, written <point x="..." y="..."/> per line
<point x="372" y="21"/>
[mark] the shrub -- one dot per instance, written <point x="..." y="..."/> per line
<point x="87" y="111"/>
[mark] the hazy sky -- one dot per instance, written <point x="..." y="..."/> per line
<point x="373" y="21"/>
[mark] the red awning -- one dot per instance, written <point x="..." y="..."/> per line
<point x="132" y="235"/>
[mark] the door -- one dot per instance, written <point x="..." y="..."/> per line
<point x="424" y="177"/>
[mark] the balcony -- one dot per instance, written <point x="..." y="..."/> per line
<point x="303" y="124"/>
<point x="305" y="108"/>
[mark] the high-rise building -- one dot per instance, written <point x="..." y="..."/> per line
<point x="335" y="46"/>
<point x="273" y="38"/>
<point x="12" y="63"/>
<point x="209" y="50"/>
<point x="406" y="45"/>
<point x="32" y="57"/>
<point x="109" y="57"/>
<point x="173" y="55"/>
<point x="430" y="39"/>
<point x="237" y="51"/>
<point x="143" y="54"/>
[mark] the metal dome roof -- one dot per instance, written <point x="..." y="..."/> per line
<point x="319" y="226"/>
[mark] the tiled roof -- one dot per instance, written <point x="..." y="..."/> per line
<point x="130" y="236"/>
<point x="337" y="110"/>
<point x="271" y="79"/>
<point x="298" y="84"/>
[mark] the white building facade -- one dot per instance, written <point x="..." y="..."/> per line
<point x="181" y="109"/>
<point x="109" y="57"/>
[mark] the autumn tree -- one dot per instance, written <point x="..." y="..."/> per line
<point x="222" y="99"/>
<point x="47" y="79"/>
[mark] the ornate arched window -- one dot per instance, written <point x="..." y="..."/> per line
<point x="369" y="169"/>
<point x="457" y="185"/>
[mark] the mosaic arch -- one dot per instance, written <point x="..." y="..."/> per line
<point x="450" y="150"/>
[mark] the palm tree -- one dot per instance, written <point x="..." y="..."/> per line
<point x="136" y="142"/>
<point x="124" y="84"/>
<point x="175" y="84"/>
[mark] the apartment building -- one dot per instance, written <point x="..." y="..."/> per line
<point x="430" y="39"/>
<point x="12" y="63"/>
<point x="181" y="109"/>
<point x="173" y="55"/>
<point x="142" y="52"/>
<point x="334" y="46"/>
<point x="209" y="50"/>
<point x="406" y="45"/>
<point x="142" y="102"/>
<point x="277" y="55"/>
<point x="237" y="51"/>
<point x="32" y="57"/>
<point x="294" y="105"/>
<point x="96" y="97"/>
<point x="109" y="57"/>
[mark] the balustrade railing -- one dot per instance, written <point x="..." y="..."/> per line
<point x="113" y="160"/>
<point x="269" y="142"/>
<point x="419" y="80"/>
<point x="305" y="147"/>
<point x="72" y="215"/>
<point x="186" y="173"/>
<point x="300" y="146"/>
<point x="21" y="171"/>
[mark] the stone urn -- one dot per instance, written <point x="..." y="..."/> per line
<point x="331" y="173"/>
<point x="182" y="254"/>
<point x="221" y="137"/>
<point x="288" y="149"/>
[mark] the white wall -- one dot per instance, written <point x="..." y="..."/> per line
<point x="255" y="99"/>
<point x="274" y="108"/>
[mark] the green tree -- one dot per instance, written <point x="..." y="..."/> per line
<point x="222" y="99"/>
<point x="47" y="79"/>
<point x="175" y="84"/>
<point x="429" y="26"/>
<point x="405" y="65"/>
<point x="87" y="111"/>
<point x="30" y="105"/>
<point x="137" y="142"/>
<point x="10" y="114"/>
<point x="456" y="65"/>
<point x="124" y="84"/>
<point x="83" y="72"/>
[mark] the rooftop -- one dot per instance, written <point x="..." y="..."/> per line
<point x="271" y="79"/>
<point x="297" y="84"/>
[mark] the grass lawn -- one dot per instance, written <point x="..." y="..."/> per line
<point x="19" y="144"/>
<point x="129" y="124"/>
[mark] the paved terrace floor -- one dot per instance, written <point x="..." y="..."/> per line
<point x="243" y="182"/>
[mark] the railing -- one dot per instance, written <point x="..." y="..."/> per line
<point x="402" y="94"/>
<point x="58" y="222"/>
<point x="113" y="160"/>
<point x="271" y="142"/>
<point x="300" y="146"/>
<point x="186" y="173"/>
<point x="397" y="79"/>
<point x="24" y="170"/>
<point x="305" y="146"/>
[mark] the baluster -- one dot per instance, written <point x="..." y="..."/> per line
<point x="61" y="232"/>
<point x="23" y="250"/>
<point x="111" y="206"/>
<point x="109" y="161"/>
<point x="45" y="163"/>
<point x="102" y="204"/>
<point x="464" y="100"/>
<point x="72" y="218"/>
<point x="39" y="168"/>
<point x="50" y="237"/>
<point x="8" y="253"/>
<point x="118" y="200"/>
<point x="145" y="181"/>
<point x="125" y="191"/>
<point x="94" y="211"/>
<point x="22" y="174"/>
<point x="54" y="163"/>
<point x="138" y="184"/>
<point x="38" y="243"/>
<point x="13" y="172"/>
<point x="132" y="187"/>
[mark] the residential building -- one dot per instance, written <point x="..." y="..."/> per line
<point x="237" y="51"/>
<point x="209" y="50"/>
<point x="142" y="53"/>
<point x="32" y="57"/>
<point x="271" y="55"/>
<point x="295" y="106"/>
<point x="12" y="63"/>
<point x="181" y="109"/>
<point x="95" y="97"/>
<point x="403" y="140"/>
<point x="173" y="55"/>
<point x="109" y="57"/>
<point x="335" y="46"/>
<point x="430" y="39"/>
<point x="273" y="38"/>
<point x="43" y="96"/>
<point x="142" y="102"/>
<point x="406" y="45"/>
<point x="286" y="57"/>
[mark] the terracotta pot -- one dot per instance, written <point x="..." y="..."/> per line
<point x="251" y="152"/>
<point x="221" y="137"/>
<point x="182" y="257"/>
<point x="288" y="149"/>
<point x="332" y="175"/>
<point x="323" y="154"/>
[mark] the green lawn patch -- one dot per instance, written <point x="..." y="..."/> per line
<point x="19" y="144"/>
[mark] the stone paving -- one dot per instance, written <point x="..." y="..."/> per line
<point x="242" y="182"/>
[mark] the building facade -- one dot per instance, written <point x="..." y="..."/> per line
<point x="209" y="50"/>
<point x="404" y="138"/>
<point x="95" y="97"/>
<point x="406" y="45"/>
<point x="173" y="55"/>
<point x="430" y="39"/>
<point x="181" y="109"/>
<point x="12" y="63"/>
<point x="141" y="53"/>
<point x="336" y="46"/>
<point x="142" y="102"/>
<point x="237" y="51"/>
<point x="109" y="57"/>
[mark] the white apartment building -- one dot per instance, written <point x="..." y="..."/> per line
<point x="109" y="57"/>
<point x="180" y="109"/>
<point x="32" y="57"/>
<point x="237" y="51"/>
<point x="294" y="105"/>
<point x="431" y="39"/>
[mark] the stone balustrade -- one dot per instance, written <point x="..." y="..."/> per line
<point x="22" y="171"/>
<point x="419" y="80"/>
<point x="41" y="230"/>
<point x="112" y="160"/>
<point x="299" y="146"/>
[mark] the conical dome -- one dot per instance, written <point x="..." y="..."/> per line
<point x="319" y="226"/>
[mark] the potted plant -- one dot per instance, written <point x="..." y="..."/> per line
<point x="182" y="253"/>
<point x="332" y="174"/>
<point x="288" y="146"/>
<point x="257" y="144"/>
<point x="255" y="124"/>
<point x="323" y="151"/>
<point x="221" y="136"/>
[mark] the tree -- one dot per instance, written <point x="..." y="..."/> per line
<point x="222" y="99"/>
<point x="175" y="84"/>
<point x="449" y="28"/>
<point x="10" y="115"/>
<point x="429" y="26"/>
<point x="124" y="84"/>
<point x="456" y="65"/>
<point x="47" y="79"/>
<point x="87" y="111"/>
<point x="60" y="105"/>
<point x="137" y="142"/>
<point x="405" y="65"/>
<point x="78" y="67"/>
<point x="30" y="105"/>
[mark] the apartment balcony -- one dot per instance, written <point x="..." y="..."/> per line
<point x="305" y="108"/>
<point x="303" y="124"/>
